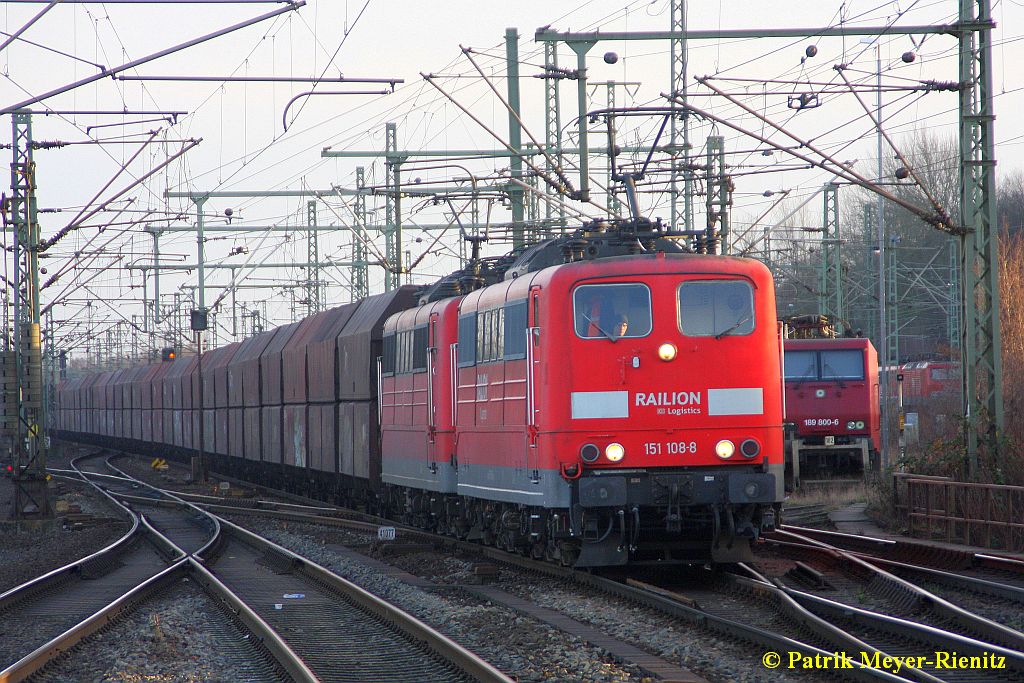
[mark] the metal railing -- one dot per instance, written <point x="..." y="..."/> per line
<point x="987" y="515"/>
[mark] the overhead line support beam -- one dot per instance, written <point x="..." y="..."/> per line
<point x="105" y="73"/>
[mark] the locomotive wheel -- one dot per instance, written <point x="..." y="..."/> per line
<point x="551" y="551"/>
<point x="567" y="554"/>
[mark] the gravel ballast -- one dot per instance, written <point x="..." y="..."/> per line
<point x="179" y="636"/>
<point x="521" y="647"/>
<point x="552" y="657"/>
<point x="29" y="551"/>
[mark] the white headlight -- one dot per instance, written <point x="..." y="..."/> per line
<point x="851" y="425"/>
<point x="860" y="424"/>
<point x="615" y="452"/>
<point x="667" y="351"/>
<point x="724" y="449"/>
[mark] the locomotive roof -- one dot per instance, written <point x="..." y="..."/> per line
<point x="565" y="274"/>
<point x="829" y="343"/>
<point x="666" y="262"/>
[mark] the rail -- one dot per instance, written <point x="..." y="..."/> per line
<point x="986" y="515"/>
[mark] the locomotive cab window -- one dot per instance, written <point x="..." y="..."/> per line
<point x="801" y="365"/>
<point x="388" y="355"/>
<point x="716" y="308"/>
<point x="842" y="364"/>
<point x="467" y="340"/>
<point x="515" y="330"/>
<point x="612" y="311"/>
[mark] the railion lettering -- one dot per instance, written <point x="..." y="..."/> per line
<point x="664" y="399"/>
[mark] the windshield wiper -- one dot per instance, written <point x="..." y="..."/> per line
<point x="733" y="327"/>
<point x="599" y="328"/>
<point x="836" y="377"/>
<point x="805" y="378"/>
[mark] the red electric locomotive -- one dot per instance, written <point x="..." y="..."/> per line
<point x="832" y="403"/>
<point x="600" y="412"/>
<point x="924" y="380"/>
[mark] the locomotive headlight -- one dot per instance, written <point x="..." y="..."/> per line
<point x="615" y="452"/>
<point x="851" y="425"/>
<point x="860" y="424"/>
<point x="750" y="448"/>
<point x="724" y="449"/>
<point x="667" y="351"/>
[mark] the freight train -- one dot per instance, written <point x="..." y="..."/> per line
<point x="832" y="405"/>
<point x="600" y="398"/>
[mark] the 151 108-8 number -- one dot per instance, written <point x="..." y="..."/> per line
<point x="670" y="448"/>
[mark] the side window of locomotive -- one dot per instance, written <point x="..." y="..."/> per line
<point x="420" y="340"/>
<point x="842" y="364"/>
<point x="612" y="311"/>
<point x="801" y="365"/>
<point x="467" y="340"/>
<point x="716" y="308"/>
<point x="404" y="355"/>
<point x="515" y="330"/>
<point x="490" y="335"/>
<point x="387" y="360"/>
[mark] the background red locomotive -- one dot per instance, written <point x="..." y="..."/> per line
<point x="602" y="398"/>
<point x="832" y="402"/>
<point x="925" y="380"/>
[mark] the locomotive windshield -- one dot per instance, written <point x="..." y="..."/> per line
<point x="612" y="311"/>
<point x="801" y="365"/>
<point x="716" y="308"/>
<point x="841" y="364"/>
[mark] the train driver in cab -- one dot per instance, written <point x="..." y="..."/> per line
<point x="601" y="313"/>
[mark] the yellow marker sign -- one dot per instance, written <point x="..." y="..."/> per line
<point x="33" y="430"/>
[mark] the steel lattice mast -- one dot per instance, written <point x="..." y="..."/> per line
<point x="982" y="360"/>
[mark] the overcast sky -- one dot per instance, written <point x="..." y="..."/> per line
<point x="244" y="147"/>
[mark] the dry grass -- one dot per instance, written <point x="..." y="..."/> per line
<point x="832" y="497"/>
<point x="1011" y="320"/>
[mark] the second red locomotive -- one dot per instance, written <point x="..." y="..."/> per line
<point x="832" y="403"/>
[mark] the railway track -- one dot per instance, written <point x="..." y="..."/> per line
<point x="972" y="592"/>
<point x="69" y="603"/>
<point x="777" y="613"/>
<point x="747" y="604"/>
<point x="893" y="614"/>
<point x="983" y="566"/>
<point x="251" y="578"/>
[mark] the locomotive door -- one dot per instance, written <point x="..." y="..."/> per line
<point x="433" y="389"/>
<point x="532" y="360"/>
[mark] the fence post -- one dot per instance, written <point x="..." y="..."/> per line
<point x="895" y="496"/>
<point x="928" y="510"/>
<point x="988" y="517"/>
